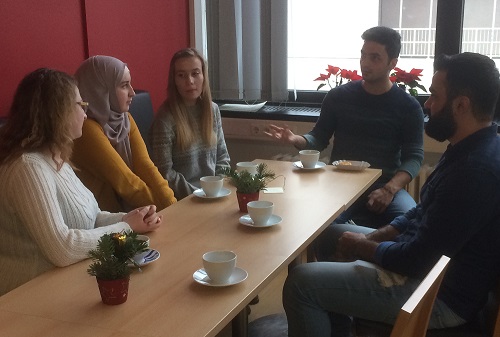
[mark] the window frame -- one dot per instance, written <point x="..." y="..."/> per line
<point x="449" y="26"/>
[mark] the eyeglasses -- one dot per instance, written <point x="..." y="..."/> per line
<point x="84" y="105"/>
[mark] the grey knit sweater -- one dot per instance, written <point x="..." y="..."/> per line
<point x="183" y="169"/>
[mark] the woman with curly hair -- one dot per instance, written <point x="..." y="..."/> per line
<point x="48" y="218"/>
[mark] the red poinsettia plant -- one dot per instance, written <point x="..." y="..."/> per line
<point x="408" y="80"/>
<point x="335" y="76"/>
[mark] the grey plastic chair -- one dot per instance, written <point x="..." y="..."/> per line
<point x="142" y="111"/>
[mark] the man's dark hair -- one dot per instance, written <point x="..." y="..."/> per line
<point x="387" y="37"/>
<point x="475" y="76"/>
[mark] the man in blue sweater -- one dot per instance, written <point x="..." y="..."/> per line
<point x="371" y="120"/>
<point x="459" y="216"/>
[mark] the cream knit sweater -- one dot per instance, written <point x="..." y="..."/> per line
<point x="48" y="218"/>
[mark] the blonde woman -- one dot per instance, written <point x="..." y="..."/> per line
<point x="48" y="218"/>
<point x="111" y="156"/>
<point x="187" y="141"/>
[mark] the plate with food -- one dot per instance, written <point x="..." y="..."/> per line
<point x="350" y="165"/>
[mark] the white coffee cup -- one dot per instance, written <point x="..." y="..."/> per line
<point x="211" y="185"/>
<point x="260" y="211"/>
<point x="219" y="265"/>
<point x="247" y="166"/>
<point x="309" y="158"/>
<point x="144" y="238"/>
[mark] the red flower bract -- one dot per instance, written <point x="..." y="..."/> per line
<point x="339" y="74"/>
<point x="332" y="70"/>
<point x="351" y="75"/>
<point x="402" y="76"/>
<point x="407" y="81"/>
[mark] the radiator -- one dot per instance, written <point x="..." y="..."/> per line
<point x="415" y="186"/>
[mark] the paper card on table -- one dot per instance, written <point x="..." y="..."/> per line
<point x="274" y="190"/>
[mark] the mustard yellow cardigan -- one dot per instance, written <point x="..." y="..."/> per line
<point x="113" y="183"/>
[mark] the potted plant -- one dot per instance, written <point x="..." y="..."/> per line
<point x="112" y="264"/>
<point x="248" y="185"/>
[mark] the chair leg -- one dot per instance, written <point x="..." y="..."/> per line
<point x="239" y="324"/>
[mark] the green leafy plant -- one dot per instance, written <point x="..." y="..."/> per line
<point x="113" y="255"/>
<point x="249" y="183"/>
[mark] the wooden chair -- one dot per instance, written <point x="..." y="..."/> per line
<point x="413" y="318"/>
<point x="487" y="324"/>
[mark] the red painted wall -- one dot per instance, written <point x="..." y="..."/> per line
<point x="62" y="33"/>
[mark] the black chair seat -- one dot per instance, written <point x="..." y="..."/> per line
<point x="366" y="328"/>
<point x="274" y="325"/>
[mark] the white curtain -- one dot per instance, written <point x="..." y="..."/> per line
<point x="247" y="49"/>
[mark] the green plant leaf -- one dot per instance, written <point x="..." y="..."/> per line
<point x="110" y="259"/>
<point x="421" y="87"/>
<point x="320" y="86"/>
<point x="246" y="182"/>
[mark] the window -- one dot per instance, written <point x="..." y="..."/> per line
<point x="481" y="28"/>
<point x="322" y="32"/>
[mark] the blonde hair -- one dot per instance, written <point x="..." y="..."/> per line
<point x="175" y="105"/>
<point x="39" y="116"/>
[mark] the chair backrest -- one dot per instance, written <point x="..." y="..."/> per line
<point x="496" y="328"/>
<point x="413" y="318"/>
<point x="142" y="111"/>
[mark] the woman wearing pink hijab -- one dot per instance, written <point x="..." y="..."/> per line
<point x="111" y="157"/>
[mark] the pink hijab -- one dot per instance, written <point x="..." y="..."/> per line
<point x="97" y="78"/>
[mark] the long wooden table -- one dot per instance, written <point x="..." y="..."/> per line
<point x="164" y="300"/>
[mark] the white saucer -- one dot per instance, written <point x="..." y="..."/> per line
<point x="319" y="164"/>
<point x="146" y="257"/>
<point x="273" y="220"/>
<point x="222" y="193"/>
<point x="352" y="166"/>
<point x="239" y="275"/>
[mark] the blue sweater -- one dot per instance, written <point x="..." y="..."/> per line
<point x="385" y="130"/>
<point x="459" y="216"/>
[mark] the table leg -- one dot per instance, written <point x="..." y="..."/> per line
<point x="311" y="255"/>
<point x="239" y="324"/>
<point x="295" y="262"/>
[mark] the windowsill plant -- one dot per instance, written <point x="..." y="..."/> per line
<point x="336" y="76"/>
<point x="408" y="81"/>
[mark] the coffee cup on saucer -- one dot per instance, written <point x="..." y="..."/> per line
<point x="248" y="166"/>
<point x="260" y="211"/>
<point x="309" y="158"/>
<point x="219" y="265"/>
<point x="144" y="238"/>
<point x="211" y="185"/>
